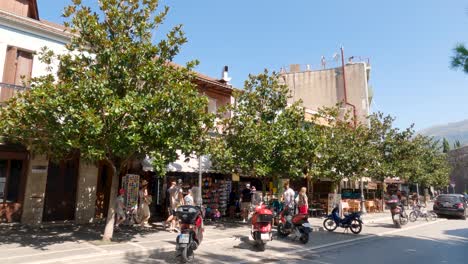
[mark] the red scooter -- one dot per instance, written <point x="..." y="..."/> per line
<point x="294" y="224"/>
<point x="191" y="231"/>
<point x="261" y="226"/>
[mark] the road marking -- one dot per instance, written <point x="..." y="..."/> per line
<point x="137" y="245"/>
<point x="282" y="255"/>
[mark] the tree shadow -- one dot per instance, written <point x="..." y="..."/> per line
<point x="43" y="237"/>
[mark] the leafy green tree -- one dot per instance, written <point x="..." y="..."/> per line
<point x="460" y="58"/>
<point x="264" y="137"/>
<point x="343" y="151"/>
<point x="457" y="144"/>
<point x="115" y="97"/>
<point x="445" y="146"/>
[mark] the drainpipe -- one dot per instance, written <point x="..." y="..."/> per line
<point x="345" y="88"/>
<point x="363" y="204"/>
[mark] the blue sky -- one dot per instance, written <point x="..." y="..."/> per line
<point x="409" y="44"/>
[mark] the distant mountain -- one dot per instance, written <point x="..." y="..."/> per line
<point x="451" y="131"/>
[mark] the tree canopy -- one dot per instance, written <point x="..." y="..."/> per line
<point x="263" y="136"/>
<point x="115" y="95"/>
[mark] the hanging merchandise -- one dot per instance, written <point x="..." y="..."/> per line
<point x="131" y="184"/>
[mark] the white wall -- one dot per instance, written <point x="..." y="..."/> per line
<point x="27" y="40"/>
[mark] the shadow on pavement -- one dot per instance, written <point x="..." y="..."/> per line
<point x="42" y="237"/>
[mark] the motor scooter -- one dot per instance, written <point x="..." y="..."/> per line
<point x="398" y="212"/>
<point x="261" y="226"/>
<point x="191" y="231"/>
<point x="352" y="221"/>
<point x="294" y="224"/>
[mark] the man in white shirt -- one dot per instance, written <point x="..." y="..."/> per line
<point x="288" y="197"/>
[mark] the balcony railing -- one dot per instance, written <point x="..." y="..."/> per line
<point x="9" y="90"/>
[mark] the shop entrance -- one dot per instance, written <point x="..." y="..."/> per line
<point x="103" y="189"/>
<point x="60" y="196"/>
<point x="12" y="182"/>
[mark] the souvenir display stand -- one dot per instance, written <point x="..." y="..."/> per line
<point x="131" y="184"/>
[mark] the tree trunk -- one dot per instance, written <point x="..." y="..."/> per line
<point x="109" y="229"/>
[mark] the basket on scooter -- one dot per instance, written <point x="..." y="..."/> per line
<point x="187" y="214"/>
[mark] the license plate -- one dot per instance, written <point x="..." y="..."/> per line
<point x="184" y="239"/>
<point x="447" y="205"/>
<point x="306" y="225"/>
<point x="264" y="236"/>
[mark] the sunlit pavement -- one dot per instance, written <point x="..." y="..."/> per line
<point x="231" y="244"/>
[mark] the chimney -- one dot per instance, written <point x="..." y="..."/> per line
<point x="294" y="68"/>
<point x="225" y="75"/>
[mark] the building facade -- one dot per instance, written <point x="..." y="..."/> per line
<point x="33" y="189"/>
<point x="329" y="87"/>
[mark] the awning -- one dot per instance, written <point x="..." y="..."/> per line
<point x="181" y="165"/>
<point x="394" y="180"/>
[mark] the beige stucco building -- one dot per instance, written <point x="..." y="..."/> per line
<point x="319" y="88"/>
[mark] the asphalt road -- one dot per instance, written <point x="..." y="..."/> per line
<point x="444" y="242"/>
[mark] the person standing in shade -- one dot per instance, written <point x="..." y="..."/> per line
<point x="288" y="198"/>
<point x="188" y="199"/>
<point x="120" y="208"/>
<point x="145" y="200"/>
<point x="246" y="200"/>
<point x="176" y="199"/>
<point x="302" y="203"/>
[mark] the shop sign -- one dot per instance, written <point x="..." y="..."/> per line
<point x="372" y="186"/>
<point x="235" y="177"/>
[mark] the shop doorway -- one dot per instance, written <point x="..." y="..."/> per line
<point x="60" y="196"/>
<point x="103" y="190"/>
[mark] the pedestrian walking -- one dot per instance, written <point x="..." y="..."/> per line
<point x="176" y="199"/>
<point x="120" y="208"/>
<point x="246" y="199"/>
<point x="144" y="202"/>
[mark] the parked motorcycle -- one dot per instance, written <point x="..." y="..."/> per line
<point x="351" y="221"/>
<point x="294" y="224"/>
<point x="399" y="215"/>
<point x="191" y="231"/>
<point x="261" y="226"/>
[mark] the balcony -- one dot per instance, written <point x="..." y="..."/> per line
<point x="8" y="90"/>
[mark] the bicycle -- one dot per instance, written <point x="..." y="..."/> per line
<point x="418" y="212"/>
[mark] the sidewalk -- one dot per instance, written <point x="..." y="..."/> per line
<point x="69" y="243"/>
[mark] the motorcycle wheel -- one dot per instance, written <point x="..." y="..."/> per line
<point x="304" y="238"/>
<point x="329" y="225"/>
<point x="187" y="254"/>
<point x="429" y="217"/>
<point x="403" y="220"/>
<point x="396" y="221"/>
<point x="413" y="217"/>
<point x="261" y="245"/>
<point x="434" y="216"/>
<point x="281" y="232"/>
<point x="355" y="226"/>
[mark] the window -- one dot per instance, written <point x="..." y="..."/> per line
<point x="18" y="66"/>
<point x="212" y="105"/>
<point x="10" y="176"/>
